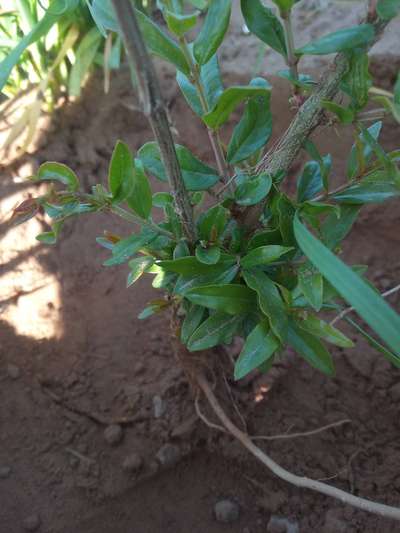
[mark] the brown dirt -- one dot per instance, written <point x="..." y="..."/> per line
<point x="74" y="336"/>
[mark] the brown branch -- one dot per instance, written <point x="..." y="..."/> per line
<point x="154" y="108"/>
<point x="298" y="481"/>
<point x="306" y="120"/>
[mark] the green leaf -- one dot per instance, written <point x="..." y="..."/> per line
<point x="311" y="285"/>
<point x="208" y="256"/>
<point x="357" y="81"/>
<point x="333" y="231"/>
<point x="229" y="100"/>
<point x="320" y="328"/>
<point x="388" y="9"/>
<point x="50" y="237"/>
<point x="153" y="308"/>
<point x="179" y="24"/>
<point x="264" y="255"/>
<point x="138" y="266"/>
<point x="311" y="349"/>
<point x="213" y="30"/>
<point x="393" y="358"/>
<point x="161" y="199"/>
<point x="140" y="197"/>
<point x="269" y="301"/>
<point x="304" y="81"/>
<point x="340" y="40"/>
<point x="284" y="5"/>
<point x="52" y="171"/>
<point x="126" y="248"/>
<point x="259" y="347"/>
<point x="286" y="213"/>
<point x="213" y="331"/>
<point x="191" y="266"/>
<point x="262" y="22"/>
<point x="212" y="222"/>
<point x="365" y="193"/>
<point x="366" y="302"/>
<point x="192" y="320"/>
<point x="252" y="190"/>
<point x="353" y="167"/>
<point x="309" y="182"/>
<point x="120" y="172"/>
<point x="344" y="114"/>
<point x="264" y="238"/>
<point x="223" y="275"/>
<point x="210" y="79"/>
<point x="196" y="175"/>
<point x="254" y="129"/>
<point x="232" y="298"/>
<point x="84" y="58"/>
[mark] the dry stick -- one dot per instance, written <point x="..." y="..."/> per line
<point x="306" y="120"/>
<point x="298" y="481"/>
<point x="351" y="309"/>
<point x="154" y="109"/>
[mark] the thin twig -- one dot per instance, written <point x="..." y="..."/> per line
<point x="348" y="310"/>
<point x="154" y="108"/>
<point x="299" y="481"/>
<point x="302" y="433"/>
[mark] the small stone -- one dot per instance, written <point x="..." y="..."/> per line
<point x="132" y="463"/>
<point x="279" y="524"/>
<point x="226" y="511"/>
<point x="32" y="522"/>
<point x="5" y="472"/>
<point x="139" y="368"/>
<point x="169" y="455"/>
<point x="13" y="371"/>
<point x="113" y="434"/>
<point x="395" y="392"/>
<point x="158" y="406"/>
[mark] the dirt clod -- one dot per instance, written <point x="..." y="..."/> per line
<point x="32" y="522"/>
<point x="5" y="472"/>
<point x="113" y="434"/>
<point x="226" y="511"/>
<point x="169" y="455"/>
<point x="13" y="371"/>
<point x="159" y="406"/>
<point x="132" y="463"/>
<point x="279" y="524"/>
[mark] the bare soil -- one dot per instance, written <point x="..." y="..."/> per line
<point x="74" y="359"/>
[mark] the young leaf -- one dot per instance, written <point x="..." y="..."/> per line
<point x="264" y="238"/>
<point x="213" y="30"/>
<point x="269" y="301"/>
<point x="262" y="22"/>
<point x="252" y="190"/>
<point x="309" y="182"/>
<point x="215" y="330"/>
<point x="366" y="302"/>
<point x="84" y="58"/>
<point x="344" y="114"/>
<point x="264" y="255"/>
<point x="179" y="24"/>
<point x="192" y="320"/>
<point x="155" y="307"/>
<point x="138" y="266"/>
<point x="140" y="198"/>
<point x="319" y="328"/>
<point x="259" y="347"/>
<point x="229" y="100"/>
<point x="388" y="9"/>
<point x="196" y="175"/>
<point x="58" y="172"/>
<point x="311" y="349"/>
<point x="365" y="193"/>
<point x="353" y="166"/>
<point x="120" y="172"/>
<point x="208" y="256"/>
<point x="212" y="222"/>
<point x="254" y="129"/>
<point x="311" y="285"/>
<point x="232" y="299"/>
<point x="191" y="266"/>
<point x="126" y="248"/>
<point x="340" y="40"/>
<point x="357" y="81"/>
<point x="333" y="231"/>
<point x="161" y="199"/>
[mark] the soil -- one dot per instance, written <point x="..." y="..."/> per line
<point x="75" y="360"/>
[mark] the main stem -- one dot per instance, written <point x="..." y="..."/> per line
<point x="154" y="108"/>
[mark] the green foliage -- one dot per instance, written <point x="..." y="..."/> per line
<point x="269" y="279"/>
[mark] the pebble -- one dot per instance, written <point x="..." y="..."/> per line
<point x="395" y="392"/>
<point x="132" y="463"/>
<point x="32" y="522"/>
<point x="13" y="371"/>
<point x="226" y="511"/>
<point x="113" y="434"/>
<point x="158" y="406"/>
<point x="5" y="472"/>
<point x="279" y="524"/>
<point x="169" y="455"/>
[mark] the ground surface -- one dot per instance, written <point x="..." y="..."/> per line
<point x="74" y="359"/>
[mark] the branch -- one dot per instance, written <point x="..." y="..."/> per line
<point x="298" y="481"/>
<point x="154" y="109"/>
<point x="306" y="120"/>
